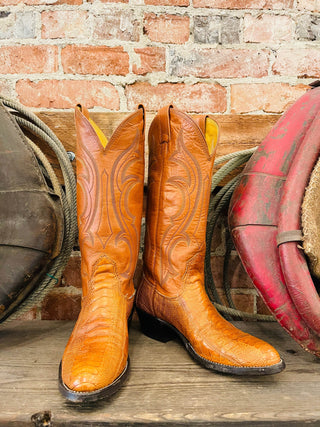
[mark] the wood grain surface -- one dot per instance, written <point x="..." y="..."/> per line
<point x="236" y="132"/>
<point x="165" y="385"/>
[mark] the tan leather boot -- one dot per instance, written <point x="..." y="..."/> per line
<point x="171" y="300"/>
<point x="109" y="202"/>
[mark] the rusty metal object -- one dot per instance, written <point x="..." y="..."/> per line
<point x="31" y="217"/>
<point x="255" y="210"/>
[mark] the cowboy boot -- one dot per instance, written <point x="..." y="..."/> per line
<point x="171" y="299"/>
<point x="109" y="202"/>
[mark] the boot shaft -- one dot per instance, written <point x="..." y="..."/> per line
<point x="180" y="170"/>
<point x="110" y="178"/>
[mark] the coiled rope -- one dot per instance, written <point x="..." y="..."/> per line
<point x="67" y="192"/>
<point x="220" y="199"/>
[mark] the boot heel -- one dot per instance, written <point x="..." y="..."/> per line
<point x="155" y="328"/>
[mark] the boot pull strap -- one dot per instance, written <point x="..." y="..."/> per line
<point x="83" y="110"/>
<point x="201" y="122"/>
<point x="164" y="116"/>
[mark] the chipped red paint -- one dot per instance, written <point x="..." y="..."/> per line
<point x="254" y="215"/>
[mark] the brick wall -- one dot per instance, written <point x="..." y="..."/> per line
<point x="238" y="56"/>
<point x="217" y="56"/>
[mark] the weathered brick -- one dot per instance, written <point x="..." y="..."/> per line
<point x="207" y="29"/>
<point x="67" y="93"/>
<point x="120" y="24"/>
<point x="72" y="273"/>
<point x="168" y="2"/>
<point x="95" y="60"/>
<point x="28" y="59"/>
<point x="230" y="30"/>
<point x="308" y="27"/>
<point x="61" y="304"/>
<point x="244" y="4"/>
<point x="20" y="25"/>
<point x="149" y="59"/>
<point x="167" y="28"/>
<point x="312" y="5"/>
<point x="6" y="88"/>
<point x="57" y="24"/>
<point x="201" y="97"/>
<point x="39" y="2"/>
<point x="218" y="63"/>
<point x="297" y="62"/>
<point x="267" y="28"/>
<point x="216" y="29"/>
<point x="269" y="97"/>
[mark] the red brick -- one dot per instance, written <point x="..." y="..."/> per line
<point x="217" y="243"/>
<point x="95" y="60"/>
<point x="201" y="97"/>
<point x="28" y="59"/>
<point x="121" y="25"/>
<point x="269" y="97"/>
<point x="261" y="307"/>
<point x="244" y="4"/>
<point x="67" y="93"/>
<point x="72" y="273"/>
<point x="110" y="1"/>
<point x="152" y="59"/>
<point x="267" y="28"/>
<point x="39" y="2"/>
<point x="58" y="24"/>
<point x="168" y="2"/>
<point x="297" y="62"/>
<point x="238" y="278"/>
<point x="219" y="63"/>
<point x="217" y="270"/>
<point x="312" y="5"/>
<point x="244" y="302"/>
<point x="61" y="304"/>
<point x="167" y="28"/>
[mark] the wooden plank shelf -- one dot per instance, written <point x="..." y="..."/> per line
<point x="165" y="387"/>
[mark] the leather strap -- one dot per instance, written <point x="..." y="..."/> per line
<point x="289" y="236"/>
<point x="164" y="115"/>
<point x="201" y="122"/>
<point x="83" y="110"/>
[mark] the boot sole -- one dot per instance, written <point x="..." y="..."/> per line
<point x="162" y="331"/>
<point x="93" y="396"/>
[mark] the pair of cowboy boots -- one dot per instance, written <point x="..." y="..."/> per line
<point x="171" y="299"/>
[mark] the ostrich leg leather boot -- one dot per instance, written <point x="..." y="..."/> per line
<point x="171" y="300"/>
<point x="109" y="202"/>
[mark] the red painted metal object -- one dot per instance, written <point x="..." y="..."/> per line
<point x="293" y="262"/>
<point x="255" y="209"/>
